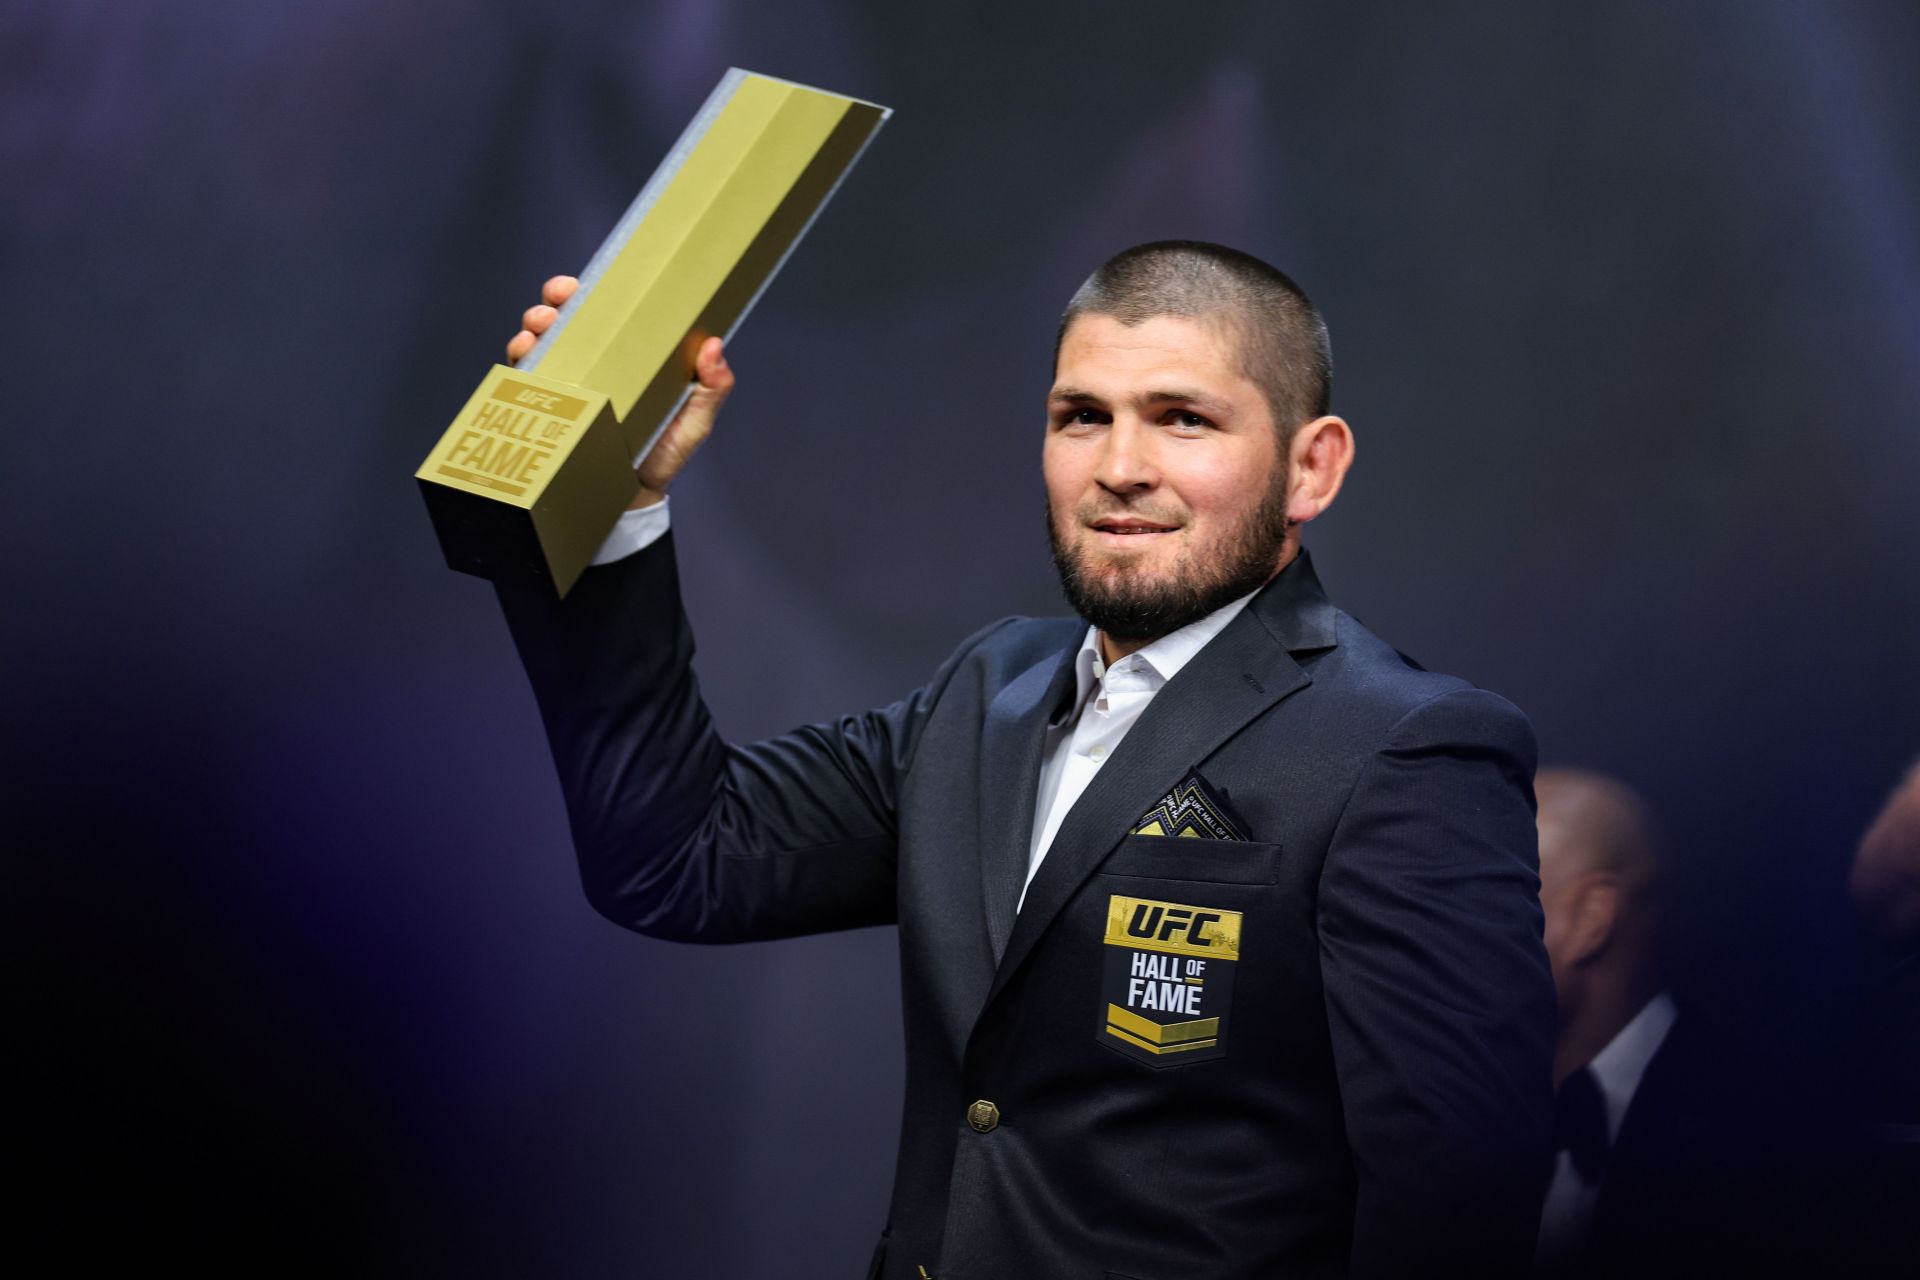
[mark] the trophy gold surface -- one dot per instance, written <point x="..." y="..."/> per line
<point x="529" y="479"/>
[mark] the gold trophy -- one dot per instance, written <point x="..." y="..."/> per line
<point x="529" y="479"/>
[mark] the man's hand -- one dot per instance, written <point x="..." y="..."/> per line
<point x="689" y="428"/>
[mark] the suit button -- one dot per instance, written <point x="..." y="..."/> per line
<point x="983" y="1116"/>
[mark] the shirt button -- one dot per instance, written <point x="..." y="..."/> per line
<point x="1099" y="751"/>
<point x="983" y="1116"/>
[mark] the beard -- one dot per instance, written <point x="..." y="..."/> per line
<point x="1128" y="605"/>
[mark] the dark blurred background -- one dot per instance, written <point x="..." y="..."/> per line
<point x="1624" y="311"/>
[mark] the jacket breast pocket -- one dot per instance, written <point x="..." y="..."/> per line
<point x="1173" y="922"/>
<point x="1203" y="861"/>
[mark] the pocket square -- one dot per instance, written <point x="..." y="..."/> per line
<point x="1191" y="810"/>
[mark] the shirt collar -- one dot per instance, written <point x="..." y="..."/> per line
<point x="1617" y="1069"/>
<point x="1165" y="657"/>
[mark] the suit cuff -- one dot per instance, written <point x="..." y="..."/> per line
<point x="634" y="531"/>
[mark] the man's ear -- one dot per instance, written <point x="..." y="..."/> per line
<point x="1320" y="453"/>
<point x="1593" y="913"/>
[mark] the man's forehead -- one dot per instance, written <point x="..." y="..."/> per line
<point x="1217" y="329"/>
<point x="1098" y="343"/>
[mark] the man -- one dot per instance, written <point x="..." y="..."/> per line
<point x="1885" y="876"/>
<point x="1599" y="888"/>
<point x="1885" y="883"/>
<point x="1675" y="1148"/>
<point x="1219" y="935"/>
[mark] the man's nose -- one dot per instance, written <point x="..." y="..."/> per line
<point x="1126" y="465"/>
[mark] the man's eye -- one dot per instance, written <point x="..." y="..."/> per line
<point x="1191" y="421"/>
<point x="1084" y="418"/>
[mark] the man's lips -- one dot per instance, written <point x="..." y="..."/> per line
<point x="1130" y="527"/>
<point x="1127" y="533"/>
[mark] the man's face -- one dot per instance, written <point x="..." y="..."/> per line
<point x="1560" y="873"/>
<point x="1166" y="481"/>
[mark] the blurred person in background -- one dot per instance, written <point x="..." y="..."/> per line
<point x="1886" y="870"/>
<point x="1673" y="1150"/>
<point x="1885" y="883"/>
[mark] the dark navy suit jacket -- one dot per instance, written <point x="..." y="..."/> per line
<point x="1382" y="1107"/>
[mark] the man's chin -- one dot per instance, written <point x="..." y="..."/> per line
<point x="1123" y="577"/>
<point x="1128" y="602"/>
<point x="1132" y="557"/>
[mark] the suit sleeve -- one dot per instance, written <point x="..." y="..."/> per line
<point x="1439" y="999"/>
<point x="678" y="834"/>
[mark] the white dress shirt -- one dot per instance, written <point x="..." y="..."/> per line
<point x="1107" y="700"/>
<point x="632" y="531"/>
<point x="1617" y="1070"/>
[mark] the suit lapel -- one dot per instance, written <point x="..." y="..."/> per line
<point x="1012" y="741"/>
<point x="1246" y="669"/>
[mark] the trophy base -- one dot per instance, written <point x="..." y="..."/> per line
<point x="528" y="481"/>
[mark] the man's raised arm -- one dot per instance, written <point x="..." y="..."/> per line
<point x="680" y="835"/>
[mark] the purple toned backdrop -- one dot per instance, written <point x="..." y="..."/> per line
<point x="1623" y="303"/>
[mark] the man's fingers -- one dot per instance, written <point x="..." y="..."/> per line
<point x="540" y="317"/>
<point x="711" y="369"/>
<point x="690" y="427"/>
<point x="536" y="321"/>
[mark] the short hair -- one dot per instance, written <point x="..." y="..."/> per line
<point x="1283" y="345"/>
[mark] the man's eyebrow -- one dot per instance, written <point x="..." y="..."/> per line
<point x="1183" y="395"/>
<point x="1164" y="395"/>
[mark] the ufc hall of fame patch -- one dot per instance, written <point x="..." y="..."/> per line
<point x="1168" y="979"/>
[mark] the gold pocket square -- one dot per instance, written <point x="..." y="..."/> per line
<point x="1191" y="810"/>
